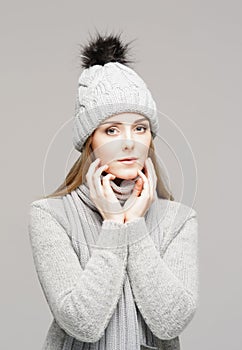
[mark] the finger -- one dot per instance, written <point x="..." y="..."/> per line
<point x="97" y="179"/>
<point x="135" y="193"/>
<point x="109" y="194"/>
<point x="107" y="187"/>
<point x="145" y="183"/>
<point x="91" y="170"/>
<point x="138" y="187"/>
<point x="145" y="168"/>
<point x="153" y="172"/>
<point x="89" y="175"/>
<point x="153" y="176"/>
<point x="149" y="176"/>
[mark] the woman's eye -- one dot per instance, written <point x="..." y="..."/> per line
<point x="142" y="126"/>
<point x="109" y="129"/>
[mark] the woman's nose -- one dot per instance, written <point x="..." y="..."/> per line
<point x="128" y="141"/>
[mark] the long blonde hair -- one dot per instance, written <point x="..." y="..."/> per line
<point x="77" y="173"/>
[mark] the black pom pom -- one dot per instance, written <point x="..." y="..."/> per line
<point x="104" y="49"/>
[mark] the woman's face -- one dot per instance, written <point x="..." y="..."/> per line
<point x="121" y="136"/>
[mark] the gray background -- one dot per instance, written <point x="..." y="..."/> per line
<point x="189" y="53"/>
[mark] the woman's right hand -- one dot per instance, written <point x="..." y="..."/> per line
<point x="102" y="193"/>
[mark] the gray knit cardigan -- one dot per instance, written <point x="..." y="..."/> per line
<point x="167" y="271"/>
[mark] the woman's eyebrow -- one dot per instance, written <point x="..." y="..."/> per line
<point x="115" y="122"/>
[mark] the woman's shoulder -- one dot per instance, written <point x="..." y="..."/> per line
<point x="174" y="213"/>
<point x="49" y="204"/>
<point x="53" y="206"/>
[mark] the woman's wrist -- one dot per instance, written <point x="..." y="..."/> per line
<point x="118" y="220"/>
<point x="114" y="220"/>
<point x="129" y="219"/>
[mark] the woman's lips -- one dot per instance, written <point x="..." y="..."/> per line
<point x="131" y="161"/>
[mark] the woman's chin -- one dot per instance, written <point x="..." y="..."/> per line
<point x="127" y="174"/>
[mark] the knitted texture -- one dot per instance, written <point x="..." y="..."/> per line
<point x="107" y="90"/>
<point x="83" y="278"/>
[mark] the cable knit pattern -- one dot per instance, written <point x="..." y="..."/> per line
<point x="105" y="90"/>
<point x="115" y="286"/>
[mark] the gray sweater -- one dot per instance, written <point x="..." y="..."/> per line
<point x="164" y="280"/>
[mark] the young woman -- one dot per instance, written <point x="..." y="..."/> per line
<point x="115" y="254"/>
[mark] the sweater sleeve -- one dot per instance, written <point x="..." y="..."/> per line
<point x="165" y="287"/>
<point x="81" y="301"/>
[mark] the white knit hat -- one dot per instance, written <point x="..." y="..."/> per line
<point x="107" y="86"/>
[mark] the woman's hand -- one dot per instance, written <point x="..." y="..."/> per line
<point x="143" y="194"/>
<point x="102" y="193"/>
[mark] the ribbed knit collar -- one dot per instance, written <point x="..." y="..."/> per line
<point x="122" y="191"/>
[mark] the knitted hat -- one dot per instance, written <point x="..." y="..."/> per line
<point x="107" y="86"/>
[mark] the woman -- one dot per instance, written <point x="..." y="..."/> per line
<point x="115" y="255"/>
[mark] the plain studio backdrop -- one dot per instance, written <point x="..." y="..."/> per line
<point x="189" y="53"/>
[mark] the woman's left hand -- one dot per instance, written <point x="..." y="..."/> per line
<point x="143" y="194"/>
